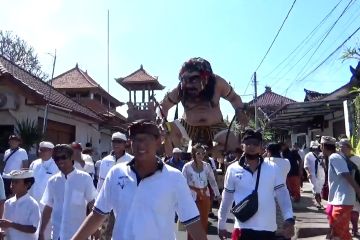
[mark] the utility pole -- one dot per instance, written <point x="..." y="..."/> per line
<point x="48" y="97"/>
<point x="255" y="99"/>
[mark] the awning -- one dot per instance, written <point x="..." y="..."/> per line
<point x="304" y="114"/>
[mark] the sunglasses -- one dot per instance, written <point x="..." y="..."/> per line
<point x="61" y="157"/>
<point x="200" y="153"/>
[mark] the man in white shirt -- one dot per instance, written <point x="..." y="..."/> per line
<point x="347" y="151"/>
<point x="15" y="158"/>
<point x="82" y="161"/>
<point x="68" y="195"/>
<point x="273" y="151"/>
<point x="43" y="168"/>
<point x="117" y="155"/>
<point x="144" y="194"/>
<point x="343" y="189"/>
<point x="314" y="166"/>
<point x="240" y="181"/>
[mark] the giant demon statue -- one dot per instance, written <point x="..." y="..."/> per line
<point x="199" y="91"/>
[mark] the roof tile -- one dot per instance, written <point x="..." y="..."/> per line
<point x="44" y="89"/>
<point x="269" y="98"/>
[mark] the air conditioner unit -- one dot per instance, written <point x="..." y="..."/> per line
<point x="8" y="101"/>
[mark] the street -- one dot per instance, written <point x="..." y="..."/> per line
<point x="311" y="223"/>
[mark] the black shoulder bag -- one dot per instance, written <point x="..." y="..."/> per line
<point x="247" y="208"/>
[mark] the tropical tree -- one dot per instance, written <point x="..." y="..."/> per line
<point x="18" y="51"/>
<point x="29" y="132"/>
<point x="352" y="53"/>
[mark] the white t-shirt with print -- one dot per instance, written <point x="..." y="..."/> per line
<point x="146" y="209"/>
<point x="241" y="182"/>
<point x="107" y="163"/>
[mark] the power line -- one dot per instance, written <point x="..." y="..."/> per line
<point x="272" y="43"/>
<point x="327" y="58"/>
<point x="326" y="35"/>
<point x="247" y="86"/>
<point x="277" y="34"/>
<point x="306" y="39"/>
<point x="311" y="48"/>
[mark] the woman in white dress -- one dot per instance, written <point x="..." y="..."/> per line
<point x="198" y="174"/>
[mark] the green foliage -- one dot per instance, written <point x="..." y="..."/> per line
<point x="29" y="132"/>
<point x="18" y="51"/>
<point x="268" y="135"/>
<point x="351" y="53"/>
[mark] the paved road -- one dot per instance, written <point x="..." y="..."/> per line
<point x="311" y="223"/>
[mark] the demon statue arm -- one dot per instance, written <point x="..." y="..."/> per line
<point x="228" y="93"/>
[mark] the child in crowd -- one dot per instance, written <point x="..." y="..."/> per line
<point x="21" y="217"/>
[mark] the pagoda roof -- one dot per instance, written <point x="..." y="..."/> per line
<point x="140" y="80"/>
<point x="77" y="79"/>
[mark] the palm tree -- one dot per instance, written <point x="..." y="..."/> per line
<point x="29" y="132"/>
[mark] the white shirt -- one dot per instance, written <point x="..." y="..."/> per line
<point x="107" y="163"/>
<point x="24" y="211"/>
<point x="88" y="167"/>
<point x="42" y="170"/>
<point x="241" y="182"/>
<point x="283" y="165"/>
<point x="200" y="179"/>
<point x="309" y="162"/>
<point x="146" y="210"/>
<point x="212" y="162"/>
<point x="317" y="180"/>
<point x="68" y="198"/>
<point x="87" y="158"/>
<point x="15" y="161"/>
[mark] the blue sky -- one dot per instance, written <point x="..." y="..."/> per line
<point x="233" y="35"/>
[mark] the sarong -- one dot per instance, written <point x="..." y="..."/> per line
<point x="293" y="184"/>
<point x="201" y="134"/>
<point x="339" y="221"/>
<point x="203" y="204"/>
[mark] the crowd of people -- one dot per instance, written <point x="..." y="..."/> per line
<point x="62" y="195"/>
